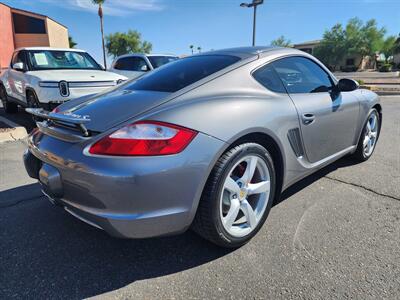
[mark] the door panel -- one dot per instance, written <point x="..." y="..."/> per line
<point x="327" y="126"/>
<point x="328" y="119"/>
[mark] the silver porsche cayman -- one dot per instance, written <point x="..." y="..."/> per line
<point x="208" y="142"/>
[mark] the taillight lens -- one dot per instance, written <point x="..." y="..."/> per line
<point x="144" y="139"/>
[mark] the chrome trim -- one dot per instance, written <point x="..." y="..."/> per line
<point x="64" y="88"/>
<point x="48" y="84"/>
<point x="81" y="84"/>
<point x="68" y="118"/>
<point x="81" y="218"/>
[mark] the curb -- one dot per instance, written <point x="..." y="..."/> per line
<point x="15" y="133"/>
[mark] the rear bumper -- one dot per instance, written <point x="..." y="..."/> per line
<point x="127" y="197"/>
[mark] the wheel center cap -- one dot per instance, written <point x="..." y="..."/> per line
<point x="243" y="193"/>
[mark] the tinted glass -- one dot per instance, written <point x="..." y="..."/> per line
<point x="301" y="75"/>
<point x="131" y="64"/>
<point x="50" y="59"/>
<point x="27" y="24"/>
<point x="268" y="77"/>
<point x="18" y="57"/>
<point x="183" y="72"/>
<point x="158" y="61"/>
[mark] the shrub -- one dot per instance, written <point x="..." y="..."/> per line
<point x="385" y="67"/>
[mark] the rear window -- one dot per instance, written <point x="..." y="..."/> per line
<point x="179" y="74"/>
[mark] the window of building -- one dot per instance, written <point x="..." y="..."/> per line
<point x="28" y="24"/>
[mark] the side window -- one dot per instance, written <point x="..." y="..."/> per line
<point x="302" y="75"/>
<point x="18" y="57"/>
<point x="268" y="77"/>
<point x="131" y="64"/>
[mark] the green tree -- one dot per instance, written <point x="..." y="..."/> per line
<point x="333" y="47"/>
<point x="397" y="45"/>
<point x="191" y="48"/>
<point x="100" y="12"/>
<point x="120" y="43"/>
<point x="71" y="42"/>
<point x="364" y="39"/>
<point x="357" y="38"/>
<point x="389" y="47"/>
<point x="281" y="42"/>
<point x="199" y="49"/>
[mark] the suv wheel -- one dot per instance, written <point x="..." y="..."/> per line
<point x="32" y="101"/>
<point x="9" y="107"/>
<point x="237" y="197"/>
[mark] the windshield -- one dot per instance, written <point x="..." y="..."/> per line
<point x="182" y="72"/>
<point x="158" y="61"/>
<point x="52" y="59"/>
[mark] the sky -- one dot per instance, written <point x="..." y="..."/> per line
<point x="172" y="25"/>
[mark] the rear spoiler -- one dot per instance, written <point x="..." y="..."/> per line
<point x="68" y="118"/>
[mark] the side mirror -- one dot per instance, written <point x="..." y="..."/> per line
<point x="347" y="85"/>
<point x="144" y="68"/>
<point x="19" y="66"/>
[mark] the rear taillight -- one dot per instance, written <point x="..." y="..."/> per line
<point x="145" y="138"/>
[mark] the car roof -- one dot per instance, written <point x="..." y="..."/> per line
<point x="245" y="52"/>
<point x="50" y="48"/>
<point x="144" y="55"/>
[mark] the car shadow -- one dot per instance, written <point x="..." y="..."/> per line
<point x="298" y="186"/>
<point x="45" y="253"/>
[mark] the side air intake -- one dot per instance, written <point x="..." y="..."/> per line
<point x="295" y="141"/>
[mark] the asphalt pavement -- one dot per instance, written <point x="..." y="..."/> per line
<point x="334" y="235"/>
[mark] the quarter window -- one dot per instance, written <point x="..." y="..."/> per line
<point x="131" y="64"/>
<point x="301" y="75"/>
<point x="268" y="77"/>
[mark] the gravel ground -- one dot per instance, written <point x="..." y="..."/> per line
<point x="334" y="235"/>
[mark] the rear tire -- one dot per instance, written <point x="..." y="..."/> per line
<point x="9" y="107"/>
<point x="369" y="137"/>
<point x="236" y="201"/>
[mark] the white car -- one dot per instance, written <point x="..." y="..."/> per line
<point x="45" y="77"/>
<point x="135" y="65"/>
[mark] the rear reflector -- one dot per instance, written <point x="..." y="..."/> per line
<point x="144" y="138"/>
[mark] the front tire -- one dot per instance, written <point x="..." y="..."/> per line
<point x="237" y="197"/>
<point x="369" y="137"/>
<point x="9" y="107"/>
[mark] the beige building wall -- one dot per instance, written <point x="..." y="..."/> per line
<point x="57" y="34"/>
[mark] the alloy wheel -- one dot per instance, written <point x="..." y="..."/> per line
<point x="371" y="134"/>
<point x="245" y="195"/>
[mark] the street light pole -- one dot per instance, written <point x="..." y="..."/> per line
<point x="253" y="4"/>
<point x="254" y="25"/>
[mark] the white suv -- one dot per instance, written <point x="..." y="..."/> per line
<point x="45" y="77"/>
<point x="135" y="65"/>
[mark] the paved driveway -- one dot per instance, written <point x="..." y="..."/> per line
<point x="336" y="234"/>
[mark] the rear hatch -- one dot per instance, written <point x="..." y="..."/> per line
<point x="110" y="109"/>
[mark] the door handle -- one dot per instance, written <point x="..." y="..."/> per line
<point x="308" y="119"/>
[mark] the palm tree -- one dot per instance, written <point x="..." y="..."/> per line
<point x="199" y="49"/>
<point x="100" y="3"/>
<point x="191" y="48"/>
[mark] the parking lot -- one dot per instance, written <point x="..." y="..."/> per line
<point x="335" y="234"/>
